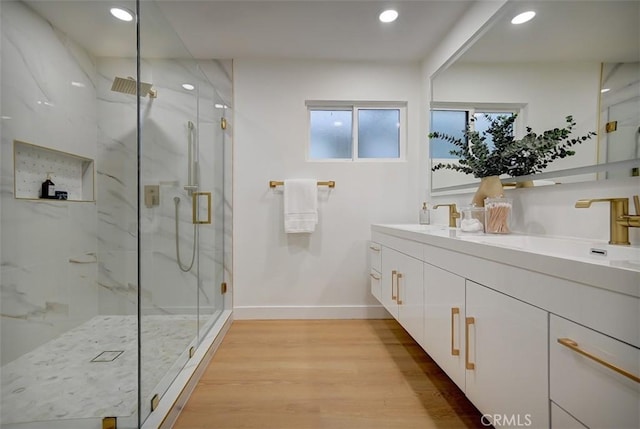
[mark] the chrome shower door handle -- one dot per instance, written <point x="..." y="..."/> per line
<point x="195" y="205"/>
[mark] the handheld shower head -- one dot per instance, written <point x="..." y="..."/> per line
<point x="176" y="200"/>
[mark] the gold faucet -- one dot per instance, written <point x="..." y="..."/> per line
<point x="453" y="213"/>
<point x="619" y="218"/>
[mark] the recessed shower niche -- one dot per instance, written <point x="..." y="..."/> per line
<point x="71" y="173"/>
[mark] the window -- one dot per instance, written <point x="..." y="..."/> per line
<point x="352" y="131"/>
<point x="454" y="122"/>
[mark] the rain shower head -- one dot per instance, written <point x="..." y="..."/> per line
<point x="128" y="86"/>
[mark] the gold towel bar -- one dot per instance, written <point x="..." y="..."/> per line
<point x="274" y="183"/>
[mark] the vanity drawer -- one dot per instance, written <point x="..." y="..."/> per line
<point x="376" y="285"/>
<point x="560" y="419"/>
<point x="586" y="388"/>
<point x="375" y="256"/>
<point x="402" y="245"/>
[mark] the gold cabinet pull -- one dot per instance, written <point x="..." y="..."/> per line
<point x="468" y="322"/>
<point x="398" y="277"/>
<point x="569" y="343"/>
<point x="374" y="248"/>
<point x="394" y="273"/>
<point x="454" y="351"/>
<point x="374" y="276"/>
<point x="194" y="207"/>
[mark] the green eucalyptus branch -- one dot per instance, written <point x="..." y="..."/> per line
<point x="529" y="155"/>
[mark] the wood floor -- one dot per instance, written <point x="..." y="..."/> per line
<point x="349" y="374"/>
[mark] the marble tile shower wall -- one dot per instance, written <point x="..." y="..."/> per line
<point x="48" y="266"/>
<point x="166" y="289"/>
<point x="63" y="263"/>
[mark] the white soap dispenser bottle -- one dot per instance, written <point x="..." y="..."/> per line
<point x="424" y="215"/>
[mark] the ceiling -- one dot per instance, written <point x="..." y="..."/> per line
<point x="563" y="30"/>
<point x="308" y="29"/>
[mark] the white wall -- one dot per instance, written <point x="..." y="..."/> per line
<point x="323" y="274"/>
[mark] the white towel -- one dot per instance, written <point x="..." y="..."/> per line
<point x="300" y="205"/>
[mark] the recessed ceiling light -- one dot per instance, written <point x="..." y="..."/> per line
<point x="389" y="15"/>
<point x="603" y="90"/>
<point x="220" y="106"/>
<point x="188" y="86"/>
<point x="523" y="17"/>
<point x="121" y="14"/>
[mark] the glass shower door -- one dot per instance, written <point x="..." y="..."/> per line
<point x="168" y="178"/>
<point x="212" y="236"/>
<point x="180" y="187"/>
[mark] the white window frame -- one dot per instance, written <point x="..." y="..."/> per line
<point x="354" y="107"/>
<point x="473" y="108"/>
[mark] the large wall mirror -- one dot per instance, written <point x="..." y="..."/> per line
<point x="578" y="58"/>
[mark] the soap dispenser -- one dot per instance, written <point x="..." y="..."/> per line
<point x="424" y="215"/>
<point x="48" y="189"/>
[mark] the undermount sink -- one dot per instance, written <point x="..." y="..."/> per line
<point x="593" y="251"/>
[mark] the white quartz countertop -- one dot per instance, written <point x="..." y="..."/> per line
<point x="591" y="262"/>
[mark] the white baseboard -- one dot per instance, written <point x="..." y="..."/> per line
<point x="311" y="312"/>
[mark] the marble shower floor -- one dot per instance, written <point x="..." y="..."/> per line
<point x="58" y="380"/>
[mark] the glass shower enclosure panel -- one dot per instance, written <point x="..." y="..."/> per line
<point x="211" y="286"/>
<point x="177" y="185"/>
<point x="68" y="269"/>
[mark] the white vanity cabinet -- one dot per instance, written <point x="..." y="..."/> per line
<point x="595" y="378"/>
<point x="506" y="357"/>
<point x="402" y="291"/>
<point x="491" y="317"/>
<point x="375" y="277"/>
<point x="491" y="345"/>
<point x="444" y="316"/>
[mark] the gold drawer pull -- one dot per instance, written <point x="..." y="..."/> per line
<point x="454" y="351"/>
<point x="468" y="322"/>
<point x="569" y="343"/>
<point x="398" y="277"/>
<point x="377" y="249"/>
<point x="394" y="273"/>
<point x="374" y="276"/>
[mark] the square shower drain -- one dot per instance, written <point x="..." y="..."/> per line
<point x="107" y="356"/>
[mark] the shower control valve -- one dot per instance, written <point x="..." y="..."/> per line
<point x="151" y="195"/>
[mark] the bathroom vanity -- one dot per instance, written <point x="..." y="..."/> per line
<point x="537" y="331"/>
